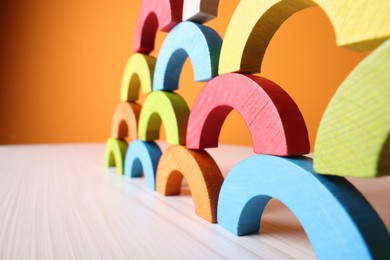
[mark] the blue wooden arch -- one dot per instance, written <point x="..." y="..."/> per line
<point x="337" y="219"/>
<point x="142" y="157"/>
<point x="198" y="42"/>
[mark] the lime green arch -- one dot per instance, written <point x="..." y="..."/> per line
<point x="359" y="25"/>
<point x="115" y="153"/>
<point x="167" y="108"/>
<point x="353" y="136"/>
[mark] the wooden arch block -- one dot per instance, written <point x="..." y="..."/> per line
<point x="200" y="43"/>
<point x="201" y="172"/>
<point x="125" y="120"/>
<point x="274" y="120"/>
<point x="167" y="108"/>
<point x="115" y="153"/>
<point x="200" y="11"/>
<point x="337" y="219"/>
<point x="142" y="157"/>
<point x="164" y="14"/>
<point x="353" y="138"/>
<point x="359" y="25"/>
<point x="138" y="72"/>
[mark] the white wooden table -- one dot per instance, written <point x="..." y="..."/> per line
<point x="59" y="202"/>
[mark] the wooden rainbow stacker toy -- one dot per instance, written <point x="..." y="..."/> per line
<point x="352" y="140"/>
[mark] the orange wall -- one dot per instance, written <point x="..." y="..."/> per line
<point x="62" y="61"/>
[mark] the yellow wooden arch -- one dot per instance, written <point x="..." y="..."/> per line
<point x="359" y="25"/>
<point x="138" y="72"/>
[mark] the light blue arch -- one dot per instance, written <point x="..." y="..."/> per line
<point x="337" y="219"/>
<point x="142" y="157"/>
<point x="198" y="42"/>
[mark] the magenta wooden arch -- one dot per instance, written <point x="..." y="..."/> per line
<point x="275" y="123"/>
<point x="162" y="14"/>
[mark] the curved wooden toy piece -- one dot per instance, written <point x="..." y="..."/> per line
<point x="200" y="11"/>
<point x="201" y="172"/>
<point x="115" y="153"/>
<point x="164" y="14"/>
<point x="200" y="43"/>
<point x="167" y="108"/>
<point x="274" y="120"/>
<point x="142" y="157"/>
<point x="125" y="120"/>
<point x="138" y="72"/>
<point x="337" y="219"/>
<point x="353" y="138"/>
<point x="359" y="25"/>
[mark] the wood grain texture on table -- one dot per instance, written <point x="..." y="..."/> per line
<point x="60" y="202"/>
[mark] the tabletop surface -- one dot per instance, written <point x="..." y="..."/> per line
<point x="59" y="202"/>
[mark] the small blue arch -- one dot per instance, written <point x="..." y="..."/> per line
<point x="337" y="219"/>
<point x="198" y="42"/>
<point x="142" y="157"/>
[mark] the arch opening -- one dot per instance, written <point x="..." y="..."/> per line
<point x="384" y="162"/>
<point x="123" y="130"/>
<point x="229" y="127"/>
<point x="111" y="159"/>
<point x="174" y="183"/>
<point x="148" y="33"/>
<point x="154" y="126"/>
<point x="141" y="160"/>
<point x="135" y="85"/>
<point x="179" y="185"/>
<point x="274" y="218"/>
<point x="137" y="168"/>
<point x="213" y="125"/>
<point x="175" y="63"/>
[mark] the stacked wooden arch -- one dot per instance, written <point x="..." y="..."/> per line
<point x="276" y="125"/>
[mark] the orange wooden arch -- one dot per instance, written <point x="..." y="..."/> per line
<point x="125" y="120"/>
<point x="201" y="172"/>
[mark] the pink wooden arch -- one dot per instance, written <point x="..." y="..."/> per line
<point x="162" y="14"/>
<point x="274" y="120"/>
